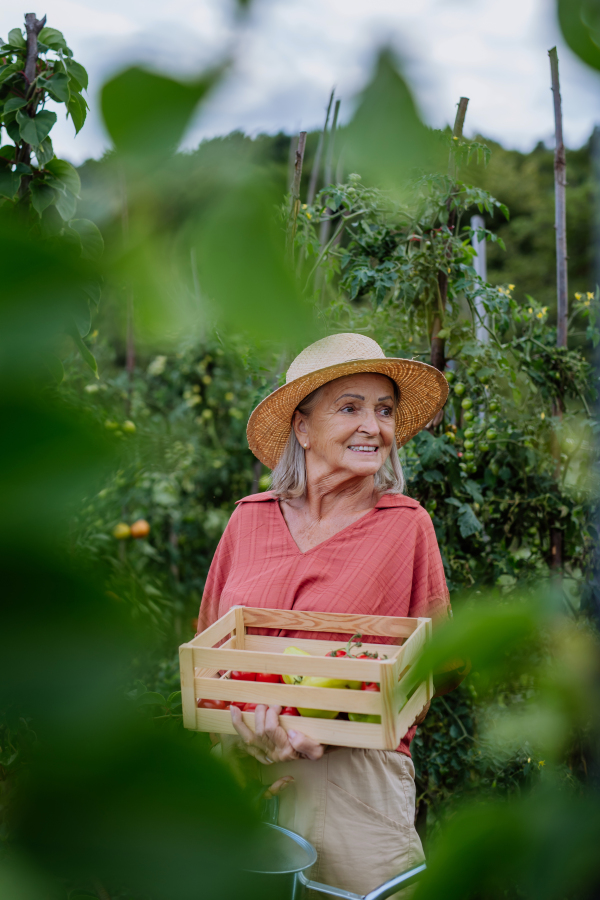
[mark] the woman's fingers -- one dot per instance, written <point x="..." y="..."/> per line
<point x="246" y="734"/>
<point x="305" y="745"/>
<point x="278" y="786"/>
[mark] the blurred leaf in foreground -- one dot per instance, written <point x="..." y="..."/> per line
<point x="580" y="24"/>
<point x="386" y="137"/>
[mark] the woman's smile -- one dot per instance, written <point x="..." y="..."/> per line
<point x="363" y="448"/>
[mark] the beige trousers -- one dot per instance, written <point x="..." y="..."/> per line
<point x="357" y="808"/>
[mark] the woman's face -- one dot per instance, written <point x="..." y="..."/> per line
<point x="352" y="427"/>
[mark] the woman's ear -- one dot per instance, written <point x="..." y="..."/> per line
<point x="300" y="427"/>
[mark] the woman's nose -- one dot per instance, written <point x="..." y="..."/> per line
<point x="369" y="423"/>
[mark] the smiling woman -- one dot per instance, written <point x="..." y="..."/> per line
<point x="336" y="535"/>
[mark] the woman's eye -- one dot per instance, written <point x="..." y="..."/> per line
<point x="387" y="411"/>
<point x="347" y="409"/>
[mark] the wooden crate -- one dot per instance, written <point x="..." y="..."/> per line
<point x="205" y="668"/>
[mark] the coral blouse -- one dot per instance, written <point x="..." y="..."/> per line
<point x="386" y="563"/>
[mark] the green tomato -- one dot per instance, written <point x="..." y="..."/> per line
<point x="470" y="371"/>
<point x="450" y="376"/>
<point x="459" y="388"/>
<point x="494" y="468"/>
<point x="470" y="433"/>
<point x="469" y="416"/>
<point x="364" y="717"/>
<point x="451" y="436"/>
<point x="494" y="405"/>
<point x="466" y="403"/>
<point x="471" y="468"/>
<point x="491" y="435"/>
<point x="469" y="456"/>
<point x="432" y="504"/>
<point x="484" y="378"/>
<point x="128" y="426"/>
<point x="469" y="445"/>
<point x="484" y="447"/>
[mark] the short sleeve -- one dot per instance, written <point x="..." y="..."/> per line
<point x="429" y="593"/>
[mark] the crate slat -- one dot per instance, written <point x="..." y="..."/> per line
<point x="343" y="623"/>
<point x="250" y="661"/>
<point x="288" y="695"/>
<point x="266" y="644"/>
<point x="215" y="632"/>
<point x="326" y="731"/>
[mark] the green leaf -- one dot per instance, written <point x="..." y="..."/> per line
<point x="93" y="291"/>
<point x="7" y="151"/>
<point x="473" y="488"/>
<point x="45" y="152"/>
<point x="386" y="137"/>
<point x="12" y="129"/>
<point x="77" y="108"/>
<point x="580" y="25"/>
<point x="14" y="103"/>
<point x="66" y="174"/>
<point x="7" y="70"/>
<point x="82" y="317"/>
<point x="42" y="195"/>
<point x="16" y="39"/>
<point x="92" y="242"/>
<point x="77" y="72"/>
<point x="151" y="698"/>
<point x="57" y="86"/>
<point x="174" y="699"/>
<point x="9" y="183"/>
<point x="66" y="204"/>
<point x="146" y="114"/>
<point x="52" y="38"/>
<point x="86" y="355"/>
<point x="468" y="523"/>
<point x="34" y="130"/>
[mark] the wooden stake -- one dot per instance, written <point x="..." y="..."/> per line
<point x="560" y="184"/>
<point x="326" y="224"/>
<point x="293" y="223"/>
<point x="314" y="174"/>
<point x="562" y="296"/>
<point x="438" y="357"/>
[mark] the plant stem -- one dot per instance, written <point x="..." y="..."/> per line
<point x="314" y="174"/>
<point x="293" y="221"/>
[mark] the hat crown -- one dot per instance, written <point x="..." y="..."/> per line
<point x="332" y="351"/>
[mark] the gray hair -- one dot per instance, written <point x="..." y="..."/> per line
<point x="288" y="478"/>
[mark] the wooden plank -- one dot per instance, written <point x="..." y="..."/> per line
<point x="216" y="632"/>
<point x="250" y="661"/>
<point x="266" y="644"/>
<point x="415" y="644"/>
<point x="389" y="717"/>
<point x="344" y="623"/>
<point x="412" y="709"/>
<point x="340" y="699"/>
<point x="326" y="731"/>
<point x="240" y="628"/>
<point x="188" y="697"/>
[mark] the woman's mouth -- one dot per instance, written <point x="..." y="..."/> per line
<point x="363" y="448"/>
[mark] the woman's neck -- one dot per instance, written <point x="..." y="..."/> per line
<point x="332" y="495"/>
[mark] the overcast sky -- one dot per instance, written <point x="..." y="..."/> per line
<point x="291" y="52"/>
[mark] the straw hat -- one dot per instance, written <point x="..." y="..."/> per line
<point x="423" y="390"/>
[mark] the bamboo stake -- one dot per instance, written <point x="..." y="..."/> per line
<point x="560" y="184"/>
<point x="293" y="223"/>
<point x="562" y="297"/>
<point x="314" y="174"/>
<point x="326" y="223"/>
<point x="438" y="358"/>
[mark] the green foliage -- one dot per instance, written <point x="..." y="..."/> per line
<point x="46" y="192"/>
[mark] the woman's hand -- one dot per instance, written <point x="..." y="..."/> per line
<point x="270" y="742"/>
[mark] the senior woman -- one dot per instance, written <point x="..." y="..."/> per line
<point x="335" y="533"/>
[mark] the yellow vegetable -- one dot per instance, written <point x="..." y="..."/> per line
<point x="318" y="681"/>
<point x="294" y="651"/>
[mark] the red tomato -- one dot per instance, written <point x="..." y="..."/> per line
<point x="243" y="676"/>
<point x="213" y="704"/>
<point x="369" y="686"/>
<point x="268" y="677"/>
<point x="337" y="653"/>
<point x="249" y="707"/>
<point x="289" y="711"/>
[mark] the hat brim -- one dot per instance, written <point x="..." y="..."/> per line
<point x="423" y="392"/>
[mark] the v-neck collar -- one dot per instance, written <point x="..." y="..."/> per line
<point x="300" y="552"/>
